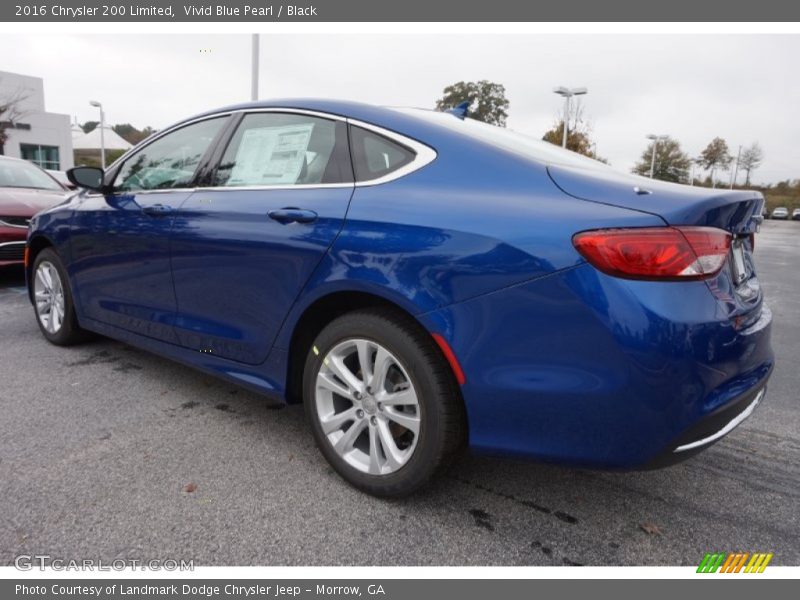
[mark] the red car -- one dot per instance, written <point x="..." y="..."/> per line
<point x="25" y="189"/>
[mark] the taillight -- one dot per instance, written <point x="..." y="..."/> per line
<point x="664" y="253"/>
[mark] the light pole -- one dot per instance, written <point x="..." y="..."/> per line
<point x="568" y="93"/>
<point x="656" y="139"/>
<point x="736" y="168"/>
<point x="254" y="66"/>
<point x="96" y="104"/>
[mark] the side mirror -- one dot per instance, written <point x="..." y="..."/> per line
<point x="87" y="177"/>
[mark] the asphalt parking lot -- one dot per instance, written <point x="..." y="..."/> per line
<point x="98" y="444"/>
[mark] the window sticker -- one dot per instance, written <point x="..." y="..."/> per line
<point x="271" y="155"/>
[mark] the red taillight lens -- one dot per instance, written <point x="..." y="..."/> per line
<point x="667" y="253"/>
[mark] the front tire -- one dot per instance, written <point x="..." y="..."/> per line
<point x="382" y="402"/>
<point x="53" y="303"/>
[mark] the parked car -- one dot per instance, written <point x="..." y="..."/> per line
<point x="25" y="189"/>
<point x="781" y="213"/>
<point x="61" y="177"/>
<point x="796" y="214"/>
<point x="421" y="281"/>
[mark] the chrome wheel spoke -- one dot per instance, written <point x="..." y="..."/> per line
<point x="364" y="349"/>
<point x="410" y="422"/>
<point x="374" y="453"/>
<point x="383" y="360"/>
<point x="346" y="441"/>
<point x="406" y="397"/>
<point x="335" y="421"/>
<point x="327" y="382"/>
<point x="394" y="456"/>
<point x="338" y="368"/>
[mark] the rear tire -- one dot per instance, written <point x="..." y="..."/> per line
<point x="383" y="405"/>
<point x="52" y="301"/>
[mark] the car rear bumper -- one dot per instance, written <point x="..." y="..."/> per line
<point x="587" y="369"/>
<point x="710" y="429"/>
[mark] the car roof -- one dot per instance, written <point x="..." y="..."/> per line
<point x="344" y="108"/>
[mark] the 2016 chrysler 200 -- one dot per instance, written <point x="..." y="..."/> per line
<point x="421" y="281"/>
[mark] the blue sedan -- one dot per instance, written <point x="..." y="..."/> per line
<point x="422" y="282"/>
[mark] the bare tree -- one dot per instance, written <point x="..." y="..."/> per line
<point x="10" y="112"/>
<point x="715" y="156"/>
<point x="750" y="160"/>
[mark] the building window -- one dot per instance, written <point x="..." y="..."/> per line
<point x="44" y="156"/>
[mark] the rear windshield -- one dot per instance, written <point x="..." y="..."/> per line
<point x="21" y="174"/>
<point x="507" y="139"/>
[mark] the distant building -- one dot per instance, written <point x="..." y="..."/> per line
<point x="42" y="137"/>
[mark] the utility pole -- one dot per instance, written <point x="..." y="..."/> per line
<point x="254" y="72"/>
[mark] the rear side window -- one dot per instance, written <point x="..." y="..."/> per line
<point x="285" y="149"/>
<point x="375" y="156"/>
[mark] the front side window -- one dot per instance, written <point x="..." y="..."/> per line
<point x="375" y="156"/>
<point x="285" y="149"/>
<point x="169" y="161"/>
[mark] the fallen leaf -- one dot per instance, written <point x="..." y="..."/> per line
<point x="650" y="528"/>
<point x="189" y="488"/>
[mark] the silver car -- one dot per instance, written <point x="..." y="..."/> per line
<point x="780" y="213"/>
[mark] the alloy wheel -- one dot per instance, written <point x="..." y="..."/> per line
<point x="367" y="406"/>
<point x="49" y="296"/>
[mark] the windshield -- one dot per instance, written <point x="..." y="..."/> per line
<point x="21" y="174"/>
<point x="508" y="139"/>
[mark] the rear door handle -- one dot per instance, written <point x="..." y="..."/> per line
<point x="292" y="215"/>
<point x="157" y="210"/>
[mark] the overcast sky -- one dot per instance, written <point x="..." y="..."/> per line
<point x="740" y="87"/>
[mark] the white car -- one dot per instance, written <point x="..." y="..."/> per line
<point x="780" y="213"/>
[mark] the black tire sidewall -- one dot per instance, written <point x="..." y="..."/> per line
<point x="70" y="332"/>
<point x="397" y="340"/>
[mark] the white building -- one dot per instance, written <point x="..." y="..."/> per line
<point x="37" y="135"/>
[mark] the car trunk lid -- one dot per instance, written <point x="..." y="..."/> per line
<point x="738" y="212"/>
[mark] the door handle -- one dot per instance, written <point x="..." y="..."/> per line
<point x="157" y="210"/>
<point x="292" y="215"/>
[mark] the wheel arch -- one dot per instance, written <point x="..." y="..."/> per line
<point x="323" y="310"/>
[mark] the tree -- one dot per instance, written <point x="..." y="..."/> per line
<point x="487" y="100"/>
<point x="715" y="156"/>
<point x="11" y="110"/>
<point x="90" y="126"/>
<point x="671" y="162"/>
<point x="578" y="135"/>
<point x="750" y="160"/>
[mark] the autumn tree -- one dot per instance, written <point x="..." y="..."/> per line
<point x="487" y="100"/>
<point x="750" y="160"/>
<point x="671" y="162"/>
<point x="578" y="133"/>
<point x="715" y="156"/>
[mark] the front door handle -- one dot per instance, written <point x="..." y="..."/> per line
<point x="157" y="210"/>
<point x="292" y="215"/>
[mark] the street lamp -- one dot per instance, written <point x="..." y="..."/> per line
<point x="254" y="51"/>
<point x="568" y="93"/>
<point x="96" y="104"/>
<point x="656" y="139"/>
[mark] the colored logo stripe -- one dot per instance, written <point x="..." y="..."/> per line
<point x="734" y="562"/>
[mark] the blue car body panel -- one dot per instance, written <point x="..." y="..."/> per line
<point x="562" y="362"/>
